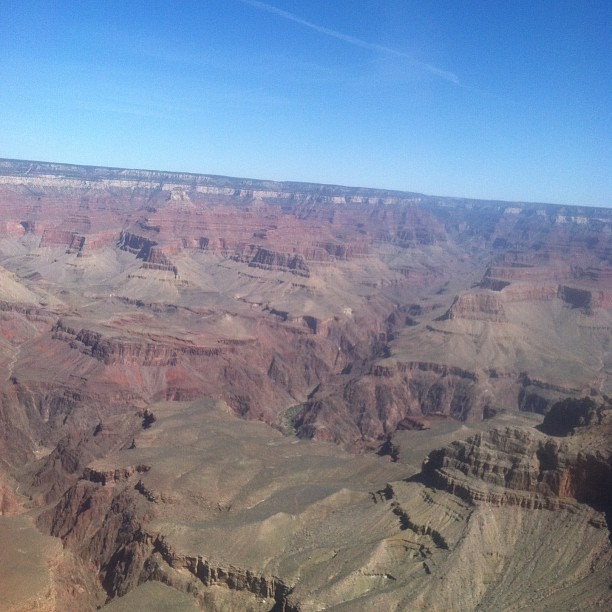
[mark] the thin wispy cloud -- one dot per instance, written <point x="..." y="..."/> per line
<point x="351" y="40"/>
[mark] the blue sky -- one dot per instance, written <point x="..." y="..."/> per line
<point x="488" y="99"/>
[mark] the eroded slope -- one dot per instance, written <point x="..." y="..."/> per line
<point x="278" y="523"/>
<point x="142" y="312"/>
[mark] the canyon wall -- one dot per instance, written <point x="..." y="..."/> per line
<point x="327" y="314"/>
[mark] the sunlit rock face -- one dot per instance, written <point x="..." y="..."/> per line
<point x="187" y="360"/>
<point x="517" y="466"/>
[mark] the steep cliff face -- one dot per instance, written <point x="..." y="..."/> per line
<point x="101" y="520"/>
<point x="259" y="257"/>
<point x="573" y="415"/>
<point x="126" y="352"/>
<point x="515" y="466"/>
<point x="45" y="174"/>
<point x="67" y="462"/>
<point x="483" y="305"/>
<point x="372" y="405"/>
<point x="585" y="298"/>
<point x="115" y="516"/>
<point x="138" y="245"/>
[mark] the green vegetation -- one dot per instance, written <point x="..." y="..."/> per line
<point x="287" y="419"/>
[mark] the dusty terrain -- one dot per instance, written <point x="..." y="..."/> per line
<point x="219" y="394"/>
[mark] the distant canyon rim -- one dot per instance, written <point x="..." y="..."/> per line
<point x="233" y="394"/>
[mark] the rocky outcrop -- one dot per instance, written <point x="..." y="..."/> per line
<point x="317" y="309"/>
<point x="522" y="273"/>
<point x="585" y="299"/>
<point x="518" y="466"/>
<point x="68" y="460"/>
<point x="138" y="245"/>
<point x="105" y="477"/>
<point x="10" y="504"/>
<point x="170" y="567"/>
<point x="374" y="401"/>
<point x="483" y="306"/>
<point x="569" y="416"/>
<point x="522" y="292"/>
<point x="154" y="256"/>
<point x="54" y="237"/>
<point x="539" y="396"/>
<point x="372" y="405"/>
<point x="181" y="189"/>
<point x="303" y="230"/>
<point x="100" y="519"/>
<point x="259" y="257"/>
<point x="129" y="352"/>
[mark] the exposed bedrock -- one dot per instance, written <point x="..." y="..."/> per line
<point x="539" y="396"/>
<point x="155" y="257"/>
<point x="138" y="245"/>
<point x="369" y="407"/>
<point x="319" y="310"/>
<point x="53" y="237"/>
<point x="105" y="521"/>
<point x="195" y="573"/>
<point x="102" y="526"/>
<point x="10" y="504"/>
<point x="527" y="468"/>
<point x="483" y="305"/>
<point x="66" y="462"/>
<point x="18" y="421"/>
<point x="115" y="518"/>
<point x="585" y="299"/>
<point x="126" y="352"/>
<point x="523" y="292"/>
<point x="567" y="416"/>
<point x="259" y="376"/>
<point x="266" y="259"/>
<point x="84" y="244"/>
<point x="529" y="273"/>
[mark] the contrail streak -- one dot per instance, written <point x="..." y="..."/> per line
<point x="351" y="40"/>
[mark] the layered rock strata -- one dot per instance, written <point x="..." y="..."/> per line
<point x="530" y="469"/>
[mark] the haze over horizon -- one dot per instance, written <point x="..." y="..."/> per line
<point x="472" y="100"/>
